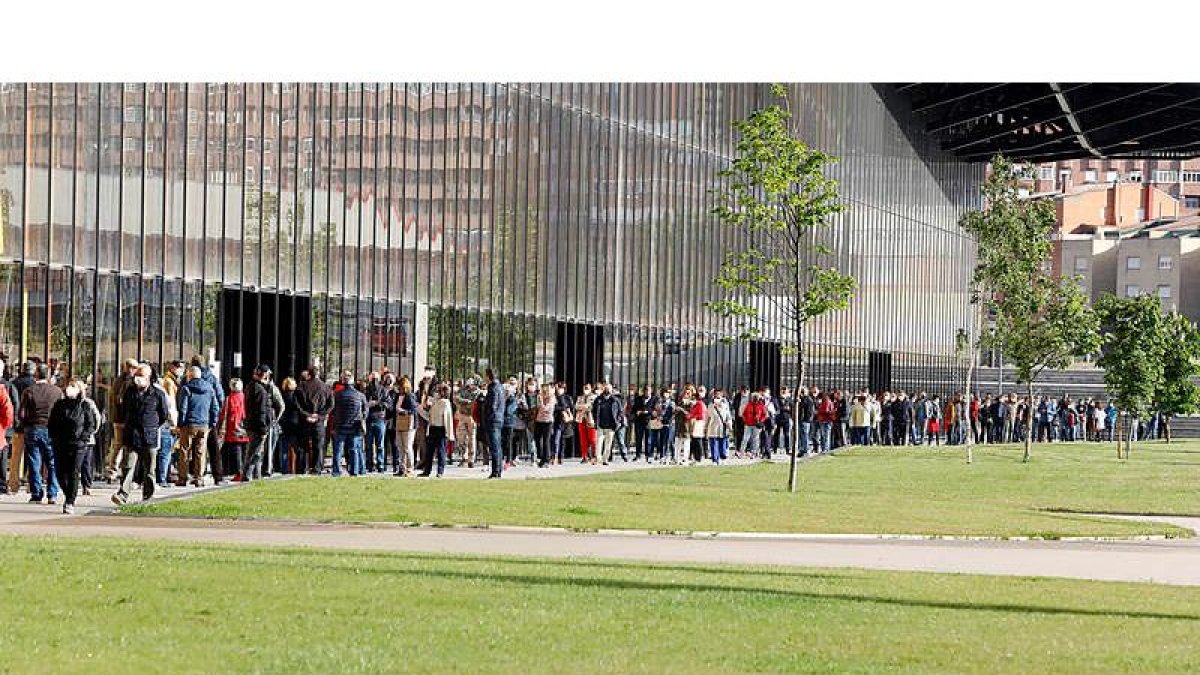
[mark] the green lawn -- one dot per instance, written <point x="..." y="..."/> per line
<point x="101" y="606"/>
<point x="919" y="491"/>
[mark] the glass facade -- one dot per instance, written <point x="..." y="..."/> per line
<point x="459" y="224"/>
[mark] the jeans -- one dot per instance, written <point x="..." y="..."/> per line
<point x="640" y="446"/>
<point x="619" y="444"/>
<point x="376" y="430"/>
<point x="166" y="448"/>
<point x="351" y="441"/>
<point x="803" y="430"/>
<point x="718" y="449"/>
<point x="750" y="440"/>
<point x="435" y="448"/>
<point x="652" y="441"/>
<point x="824" y="431"/>
<point x="39" y="451"/>
<point x="495" y="449"/>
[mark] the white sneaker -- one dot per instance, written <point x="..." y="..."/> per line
<point x="68" y="509"/>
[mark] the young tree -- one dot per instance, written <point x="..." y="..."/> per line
<point x="1177" y="394"/>
<point x="777" y="198"/>
<point x="1041" y="322"/>
<point x="1134" y="330"/>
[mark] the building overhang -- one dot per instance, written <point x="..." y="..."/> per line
<point x="1041" y="122"/>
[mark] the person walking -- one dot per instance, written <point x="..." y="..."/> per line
<point x="72" y="427"/>
<point x="37" y="400"/>
<point x="439" y="430"/>
<point x="167" y="434"/>
<point x="198" y="413"/>
<point x="349" y="426"/>
<point x="145" y="411"/>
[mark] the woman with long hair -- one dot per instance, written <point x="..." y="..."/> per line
<point x="406" y="427"/>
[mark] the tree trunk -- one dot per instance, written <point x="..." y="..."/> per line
<point x="1120" y="437"/>
<point x="1028" y="420"/>
<point x="794" y="460"/>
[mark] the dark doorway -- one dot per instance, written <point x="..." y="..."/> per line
<point x="578" y="354"/>
<point x="265" y="328"/>
<point x="765" y="360"/>
<point x="879" y="372"/>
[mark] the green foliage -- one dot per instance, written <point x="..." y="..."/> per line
<point x="1134" y="346"/>
<point x="1177" y="394"/>
<point x="778" y="198"/>
<point x="1041" y="322"/>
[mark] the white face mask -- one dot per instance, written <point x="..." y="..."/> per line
<point x="72" y="392"/>
<point x="141" y="382"/>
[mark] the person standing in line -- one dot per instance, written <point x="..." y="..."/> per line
<point x="260" y="418"/>
<point x="377" y="402"/>
<point x="640" y="412"/>
<point x="72" y="426"/>
<point x="740" y="399"/>
<point x="508" y="429"/>
<point x="8" y="420"/>
<point x="167" y="434"/>
<point x="314" y="403"/>
<point x="784" y="404"/>
<point x="145" y="411"/>
<point x="933" y="421"/>
<point x="585" y="425"/>
<point x="807" y="413"/>
<point x="544" y="423"/>
<point x="564" y="422"/>
<point x="717" y="426"/>
<point x="902" y="418"/>
<point x="198" y="413"/>
<point x="270" y="462"/>
<point x="232" y="420"/>
<point x="406" y="428"/>
<point x="826" y="409"/>
<point x="466" y="433"/>
<point x="18" y="461"/>
<point x="289" y="429"/>
<point x="753" y="416"/>
<point x="860" y="421"/>
<point x="36" y="401"/>
<point x="697" y="418"/>
<point x="654" y="424"/>
<point x="491" y="417"/>
<point x="115" y="457"/>
<point x="391" y="399"/>
<point x="607" y="411"/>
<point x="439" y="430"/>
<point x="349" y="426"/>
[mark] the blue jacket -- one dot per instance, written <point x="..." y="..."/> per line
<point x="212" y="380"/>
<point x="510" y="412"/>
<point x="491" y="413"/>
<point x="349" y="410"/>
<point x="197" y="403"/>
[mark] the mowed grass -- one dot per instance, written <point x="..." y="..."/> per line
<point x="863" y="491"/>
<point x="112" y="606"/>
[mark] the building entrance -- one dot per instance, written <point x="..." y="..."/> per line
<point x="264" y="327"/>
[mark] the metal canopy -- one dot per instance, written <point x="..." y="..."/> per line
<point x="1041" y="122"/>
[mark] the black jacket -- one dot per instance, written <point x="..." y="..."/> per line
<point x="349" y="410"/>
<point x="72" y="423"/>
<point x="808" y="409"/>
<point x="608" y="411"/>
<point x="145" y="412"/>
<point x="260" y="409"/>
<point x="313" y="397"/>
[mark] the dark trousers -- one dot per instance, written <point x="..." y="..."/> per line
<point x="899" y="427"/>
<point x="697" y="449"/>
<point x="312" y="444"/>
<point x="640" y="446"/>
<point x="435" y="449"/>
<point x="69" y="460"/>
<point x="506" y="442"/>
<point x="545" y="448"/>
<point x="4" y="459"/>
<point x="232" y="458"/>
<point x="214" y="457"/>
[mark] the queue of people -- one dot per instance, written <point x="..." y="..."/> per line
<point x="183" y="428"/>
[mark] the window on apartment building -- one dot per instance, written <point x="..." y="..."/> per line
<point x="1132" y="291"/>
<point x="250" y="143"/>
<point x="1133" y="262"/>
<point x="1164" y="262"/>
<point x="1135" y="176"/>
<point x="1164" y="291"/>
<point x="1110" y="176"/>
<point x="1046" y="172"/>
<point x="1081" y="263"/>
<point x="1191" y="202"/>
<point x="1089" y="176"/>
<point x="1163" y="176"/>
<point x="249" y="175"/>
<point x="1191" y="176"/>
<point x="1140" y="214"/>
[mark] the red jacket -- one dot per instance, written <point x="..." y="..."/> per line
<point x="755" y="413"/>
<point x="233" y="416"/>
<point x="6" y="415"/>
<point x="826" y="410"/>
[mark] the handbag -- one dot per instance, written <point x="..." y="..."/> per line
<point x="655" y="424"/>
<point x="567" y="416"/>
<point x="404" y="422"/>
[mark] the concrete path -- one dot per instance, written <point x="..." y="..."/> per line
<point x="1168" y="562"/>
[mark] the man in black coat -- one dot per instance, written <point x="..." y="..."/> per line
<point x="145" y="411"/>
<point x="314" y="402"/>
<point x="902" y="412"/>
<point x="261" y="414"/>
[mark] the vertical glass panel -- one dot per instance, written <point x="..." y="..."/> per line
<point x="11" y="315"/>
<point x="61" y="173"/>
<point x="153" y="185"/>
<point x="83" y="326"/>
<point x="131" y="211"/>
<point x="35" y="321"/>
<point x="106" y="337"/>
<point x="234" y="187"/>
<point x="59" y="326"/>
<point x="339" y="154"/>
<point x="39" y="124"/>
<point x="87" y="157"/>
<point x="175" y="158"/>
<point x="254" y="245"/>
<point x="12" y="170"/>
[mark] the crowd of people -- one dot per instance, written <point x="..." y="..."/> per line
<point x="182" y="427"/>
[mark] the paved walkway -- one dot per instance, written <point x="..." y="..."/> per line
<point x="1169" y="562"/>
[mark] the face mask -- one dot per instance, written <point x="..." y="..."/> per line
<point x="561" y="392"/>
<point x="141" y="382"/>
<point x="72" y="392"/>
